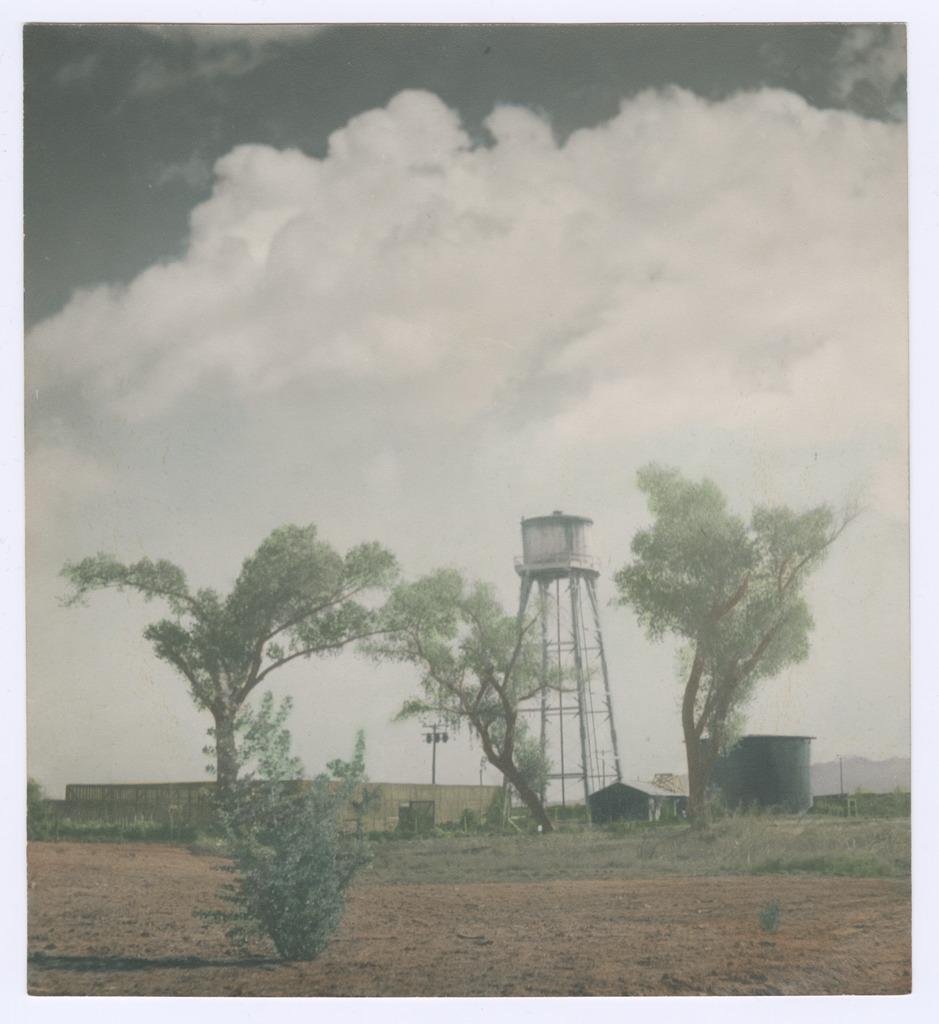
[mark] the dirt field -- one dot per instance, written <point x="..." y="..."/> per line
<point x="117" y="920"/>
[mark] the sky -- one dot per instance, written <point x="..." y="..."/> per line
<point x="413" y="283"/>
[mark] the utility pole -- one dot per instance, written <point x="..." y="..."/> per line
<point x="841" y="784"/>
<point x="432" y="736"/>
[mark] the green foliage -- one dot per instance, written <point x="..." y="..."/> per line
<point x="693" y="556"/>
<point x="294" y="598"/>
<point x="477" y="666"/>
<point x="290" y="863"/>
<point x="769" y="916"/>
<point x="472" y="655"/>
<point x="39" y="820"/>
<point x="864" y="805"/>
<point x="262" y="741"/>
<point x="533" y="764"/>
<point x="732" y="591"/>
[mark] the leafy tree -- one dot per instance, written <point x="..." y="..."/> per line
<point x="291" y="865"/>
<point x="478" y="666"/>
<point x="732" y="591"/>
<point x="295" y="597"/>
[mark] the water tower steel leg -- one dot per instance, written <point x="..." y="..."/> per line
<point x="579" y="673"/>
<point x="524" y="592"/>
<point x="595" y="606"/>
<point x="543" y="610"/>
<point x="592" y="737"/>
<point x="557" y="636"/>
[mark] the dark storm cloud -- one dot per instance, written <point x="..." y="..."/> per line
<point x="118" y="105"/>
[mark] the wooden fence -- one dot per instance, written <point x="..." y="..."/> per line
<point x="386" y="804"/>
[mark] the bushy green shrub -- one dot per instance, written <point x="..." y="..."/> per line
<point x="292" y="868"/>
<point x="290" y="864"/>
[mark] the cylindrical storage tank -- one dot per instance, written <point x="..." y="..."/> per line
<point x="768" y="771"/>
<point x="554" y="540"/>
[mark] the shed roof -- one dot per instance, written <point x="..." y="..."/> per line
<point x="774" y="736"/>
<point x="649" y="788"/>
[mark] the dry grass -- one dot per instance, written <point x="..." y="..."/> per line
<point x="742" y="845"/>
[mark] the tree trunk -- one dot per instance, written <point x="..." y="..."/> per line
<point x="697" y="786"/>
<point x="700" y="765"/>
<point x="502" y="759"/>
<point x="226" y="757"/>
<point x="528" y="797"/>
<point x="697" y="775"/>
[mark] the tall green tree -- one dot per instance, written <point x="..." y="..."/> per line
<point x="478" y="666"/>
<point x="732" y="591"/>
<point x="294" y="598"/>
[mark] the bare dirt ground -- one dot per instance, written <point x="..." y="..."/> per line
<point x="107" y="919"/>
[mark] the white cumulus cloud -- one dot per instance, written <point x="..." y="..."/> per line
<point x="739" y="262"/>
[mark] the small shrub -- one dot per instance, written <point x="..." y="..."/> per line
<point x="39" y="818"/>
<point x="569" y="812"/>
<point x="769" y="916"/>
<point x="495" y="812"/>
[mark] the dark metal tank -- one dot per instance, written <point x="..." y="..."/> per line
<point x="767" y="771"/>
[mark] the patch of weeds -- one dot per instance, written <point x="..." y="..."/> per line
<point x="209" y="846"/>
<point x="851" y="867"/>
<point x="769" y="916"/>
<point x="647" y="850"/>
<point x="124" y="832"/>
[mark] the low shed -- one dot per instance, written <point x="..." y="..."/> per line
<point x="636" y="801"/>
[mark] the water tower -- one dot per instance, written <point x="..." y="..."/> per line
<point x="576" y="707"/>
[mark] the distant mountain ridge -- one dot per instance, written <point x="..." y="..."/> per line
<point x="861" y="773"/>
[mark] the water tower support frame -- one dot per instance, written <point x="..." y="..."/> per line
<point x="577" y="631"/>
<point x="598" y="636"/>
<point x="578" y="647"/>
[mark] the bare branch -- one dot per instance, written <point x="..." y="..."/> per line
<point x="728" y="606"/>
<point x="337" y="597"/>
<point x="306" y="652"/>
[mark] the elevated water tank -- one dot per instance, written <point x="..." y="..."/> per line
<point x="767" y="771"/>
<point x="555" y="544"/>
